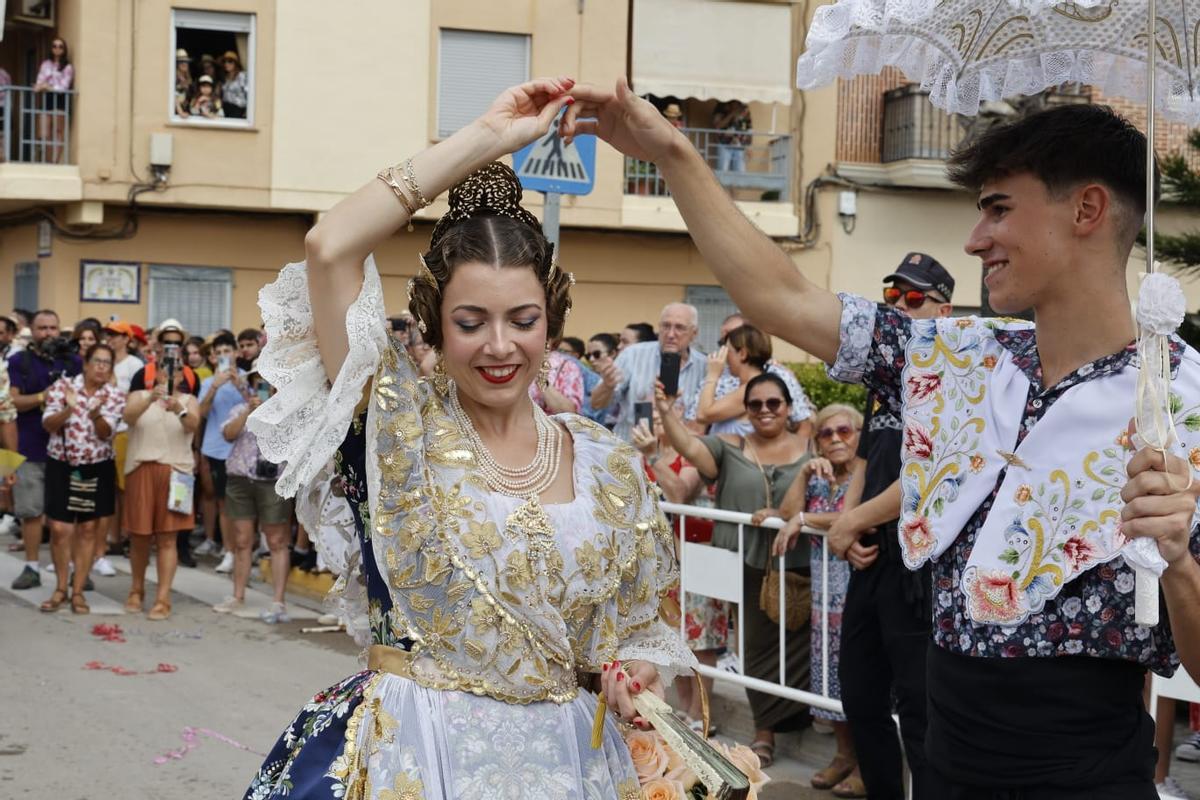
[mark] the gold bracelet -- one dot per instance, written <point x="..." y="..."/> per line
<point x="410" y="180"/>
<point x="388" y="176"/>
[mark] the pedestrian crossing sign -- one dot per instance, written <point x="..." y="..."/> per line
<point x="549" y="164"/>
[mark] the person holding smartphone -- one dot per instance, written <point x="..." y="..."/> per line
<point x="219" y="395"/>
<point x="251" y="501"/>
<point x="673" y="359"/>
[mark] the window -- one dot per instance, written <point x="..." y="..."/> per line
<point x="201" y="298"/>
<point x="714" y="306"/>
<point x="474" y="67"/>
<point x="25" y="285"/>
<point x="216" y="49"/>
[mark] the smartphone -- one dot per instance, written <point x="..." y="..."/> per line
<point x="264" y="391"/>
<point x="668" y="373"/>
<point x="644" y="411"/>
<point x="171" y="363"/>
<point x="399" y="324"/>
<point x="224" y="364"/>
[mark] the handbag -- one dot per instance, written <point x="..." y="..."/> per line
<point x="181" y="492"/>
<point x="797" y="589"/>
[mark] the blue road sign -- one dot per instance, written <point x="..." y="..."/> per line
<point x="550" y="165"/>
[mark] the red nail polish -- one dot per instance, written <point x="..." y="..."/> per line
<point x="605" y="667"/>
<point x="570" y="101"/>
<point x="637" y="687"/>
<point x="620" y="676"/>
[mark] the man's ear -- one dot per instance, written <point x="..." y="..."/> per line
<point x="1093" y="206"/>
<point x="945" y="309"/>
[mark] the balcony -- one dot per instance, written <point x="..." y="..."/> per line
<point x="761" y="166"/>
<point x="913" y="128"/>
<point x="35" y="147"/>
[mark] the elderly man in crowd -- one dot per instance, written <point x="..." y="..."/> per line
<point x="631" y="378"/>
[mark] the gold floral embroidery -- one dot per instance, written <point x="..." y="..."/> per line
<point x="482" y="538"/>
<point x="405" y="788"/>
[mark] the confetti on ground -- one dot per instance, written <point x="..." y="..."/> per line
<point x="191" y="739"/>
<point x="117" y="670"/>
<point x="109" y="633"/>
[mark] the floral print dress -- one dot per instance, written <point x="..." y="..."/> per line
<point x="825" y="497"/>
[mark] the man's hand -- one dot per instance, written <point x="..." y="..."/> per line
<point x="843" y="533"/>
<point x="860" y="556"/>
<point x="1160" y="502"/>
<point x="618" y="116"/>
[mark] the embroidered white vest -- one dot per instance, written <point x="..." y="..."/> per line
<point x="1057" y="513"/>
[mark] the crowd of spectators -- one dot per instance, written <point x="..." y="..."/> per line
<point x="133" y="442"/>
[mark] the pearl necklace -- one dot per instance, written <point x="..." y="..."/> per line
<point x="528" y="481"/>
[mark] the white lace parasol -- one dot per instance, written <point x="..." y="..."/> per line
<point x="969" y="52"/>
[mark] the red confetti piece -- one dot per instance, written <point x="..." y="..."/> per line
<point x="118" y="670"/>
<point x="109" y="633"/>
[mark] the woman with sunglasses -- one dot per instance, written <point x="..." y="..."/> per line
<point x="816" y="499"/>
<point x="753" y="473"/>
<point x="234" y="87"/>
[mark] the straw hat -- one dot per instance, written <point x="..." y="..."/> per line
<point x="182" y="55"/>
<point x="673" y="111"/>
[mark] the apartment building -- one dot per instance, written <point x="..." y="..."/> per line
<point x="142" y="210"/>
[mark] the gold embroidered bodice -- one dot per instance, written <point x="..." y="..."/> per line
<point x="503" y="596"/>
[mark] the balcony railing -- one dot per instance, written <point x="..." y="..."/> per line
<point x="37" y="125"/>
<point x="913" y="128"/>
<point x="750" y="160"/>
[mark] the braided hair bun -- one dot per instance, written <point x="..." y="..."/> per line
<point x="487" y="223"/>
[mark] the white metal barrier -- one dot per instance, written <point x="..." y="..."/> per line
<point x="716" y="572"/>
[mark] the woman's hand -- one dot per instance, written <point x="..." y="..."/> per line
<point x="762" y="514"/>
<point x="621" y="681"/>
<point x="786" y="538"/>
<point x="70" y="397"/>
<point x="618" y="116"/>
<point x="645" y="441"/>
<point x="523" y="113"/>
<point x="717" y="362"/>
<point x="821" y="467"/>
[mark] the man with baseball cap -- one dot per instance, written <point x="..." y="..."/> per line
<point x="885" y="622"/>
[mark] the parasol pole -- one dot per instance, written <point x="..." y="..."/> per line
<point x="1145" y="598"/>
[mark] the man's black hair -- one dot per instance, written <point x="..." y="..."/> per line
<point x="645" y="331"/>
<point x="224" y="339"/>
<point x="248" y="335"/>
<point x="1064" y="148"/>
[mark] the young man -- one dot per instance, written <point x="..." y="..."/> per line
<point x="218" y="396"/>
<point x="885" y="622"/>
<point x="31" y="372"/>
<point x="1017" y="464"/>
<point x="248" y="346"/>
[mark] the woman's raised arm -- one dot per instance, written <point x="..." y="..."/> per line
<point x="336" y="246"/>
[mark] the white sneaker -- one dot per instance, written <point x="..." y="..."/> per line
<point x="1190" y="749"/>
<point x="275" y="614"/>
<point x="205" y="548"/>
<point x="104" y="567"/>
<point x="1171" y="790"/>
<point x="730" y="663"/>
<point x="50" y="567"/>
<point x="229" y="605"/>
<point x="226" y="564"/>
<point x="9" y="525"/>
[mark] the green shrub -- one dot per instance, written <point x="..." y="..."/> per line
<point x="823" y="390"/>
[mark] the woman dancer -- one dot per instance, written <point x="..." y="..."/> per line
<point x="503" y="552"/>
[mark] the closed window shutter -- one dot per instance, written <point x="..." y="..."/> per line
<point x="714" y="306"/>
<point x="199" y="297"/>
<point x="25" y="285"/>
<point x="474" y="67"/>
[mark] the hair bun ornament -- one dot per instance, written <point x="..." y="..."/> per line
<point x="490" y="190"/>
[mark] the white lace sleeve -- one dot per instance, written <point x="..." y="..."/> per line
<point x="327" y="517"/>
<point x="663" y="647"/>
<point x="306" y="421"/>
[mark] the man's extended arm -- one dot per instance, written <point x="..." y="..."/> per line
<point x="763" y="282"/>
